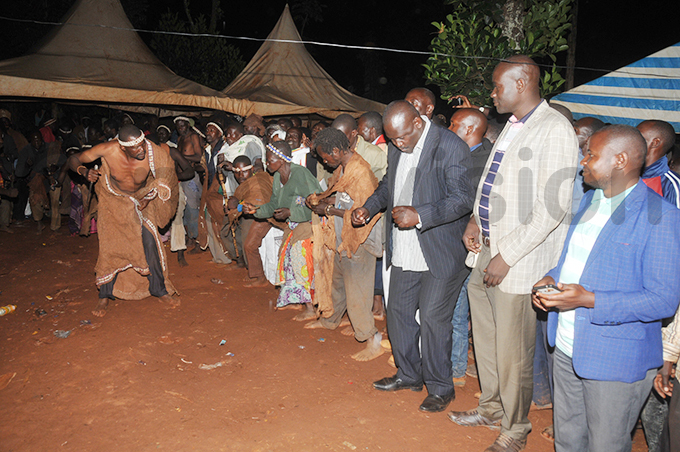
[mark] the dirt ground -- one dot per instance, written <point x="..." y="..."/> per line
<point x="132" y="381"/>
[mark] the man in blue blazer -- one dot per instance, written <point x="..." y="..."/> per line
<point x="427" y="197"/>
<point x="617" y="278"/>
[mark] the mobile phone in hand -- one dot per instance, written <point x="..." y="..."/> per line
<point x="548" y="289"/>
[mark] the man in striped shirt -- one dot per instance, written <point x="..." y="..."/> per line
<point x="517" y="230"/>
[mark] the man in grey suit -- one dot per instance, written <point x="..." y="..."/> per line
<point x="427" y="197"/>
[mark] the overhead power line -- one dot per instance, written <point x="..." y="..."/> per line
<point x="318" y="43"/>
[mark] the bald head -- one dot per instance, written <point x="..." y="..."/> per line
<point x="525" y="68"/>
<point x="347" y="125"/>
<point x="423" y="100"/>
<point x="660" y="138"/>
<point x="585" y="127"/>
<point x="470" y="125"/>
<point x="615" y="158"/>
<point x="403" y="125"/>
<point x="516" y="88"/>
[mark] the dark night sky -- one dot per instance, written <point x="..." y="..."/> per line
<point x="611" y="34"/>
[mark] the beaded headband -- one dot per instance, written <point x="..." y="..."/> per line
<point x="181" y="118"/>
<point x="216" y="126"/>
<point x="163" y="127"/>
<point x="279" y="153"/>
<point x="134" y="142"/>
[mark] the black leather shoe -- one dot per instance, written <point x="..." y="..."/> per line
<point x="395" y="384"/>
<point x="434" y="403"/>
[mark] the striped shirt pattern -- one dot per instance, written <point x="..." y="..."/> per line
<point x="493" y="170"/>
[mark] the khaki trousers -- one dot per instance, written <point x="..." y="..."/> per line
<point x="353" y="281"/>
<point x="504" y="335"/>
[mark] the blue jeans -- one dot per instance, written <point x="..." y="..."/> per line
<point x="192" y="190"/>
<point x="459" y="349"/>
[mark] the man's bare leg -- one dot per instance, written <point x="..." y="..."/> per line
<point x="307" y="314"/>
<point x="100" y="309"/>
<point x="172" y="301"/>
<point x="372" y="350"/>
<point x="180" y="258"/>
<point x="40" y="227"/>
<point x="378" y="309"/>
<point x="260" y="281"/>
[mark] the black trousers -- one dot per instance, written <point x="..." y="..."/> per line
<point x="155" y="277"/>
<point x="436" y="300"/>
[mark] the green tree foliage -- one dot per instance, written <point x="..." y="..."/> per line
<point x="470" y="41"/>
<point x="210" y="61"/>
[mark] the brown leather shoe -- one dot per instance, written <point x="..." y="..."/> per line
<point x="506" y="444"/>
<point x="472" y="418"/>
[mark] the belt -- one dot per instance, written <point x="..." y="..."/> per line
<point x="486" y="241"/>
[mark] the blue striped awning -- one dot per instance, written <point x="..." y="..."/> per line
<point x="646" y="89"/>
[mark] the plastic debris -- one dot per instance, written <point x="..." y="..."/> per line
<point x="40" y="312"/>
<point x="211" y="366"/>
<point x="62" y="334"/>
<point x="7" y="309"/>
<point x="230" y="354"/>
<point x="322" y="339"/>
<point x="301" y="347"/>
<point x="185" y="361"/>
<point x="48" y="297"/>
<point x="222" y="342"/>
<point x="216" y="281"/>
<point x="141" y="362"/>
<point x="85" y="322"/>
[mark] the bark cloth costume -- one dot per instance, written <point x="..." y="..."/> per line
<point x="127" y="267"/>
<point x="359" y="183"/>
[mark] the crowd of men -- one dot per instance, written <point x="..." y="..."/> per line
<point x="549" y="239"/>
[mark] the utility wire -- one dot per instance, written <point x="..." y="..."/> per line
<point x="321" y="44"/>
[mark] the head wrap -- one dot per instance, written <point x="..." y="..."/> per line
<point x="197" y="131"/>
<point x="279" y="153"/>
<point x="181" y="118"/>
<point x="163" y="126"/>
<point x="244" y="169"/>
<point x="216" y="126"/>
<point x="279" y="133"/>
<point x="133" y="142"/>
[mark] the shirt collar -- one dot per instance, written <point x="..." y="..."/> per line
<point x="614" y="201"/>
<point x="513" y="118"/>
<point x="475" y="146"/>
<point x="656" y="169"/>
<point x="421" y="141"/>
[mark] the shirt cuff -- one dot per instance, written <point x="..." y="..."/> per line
<point x="420" y="223"/>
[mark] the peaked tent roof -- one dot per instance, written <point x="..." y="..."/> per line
<point x="96" y="56"/>
<point x="286" y="77"/>
<point x="646" y="89"/>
